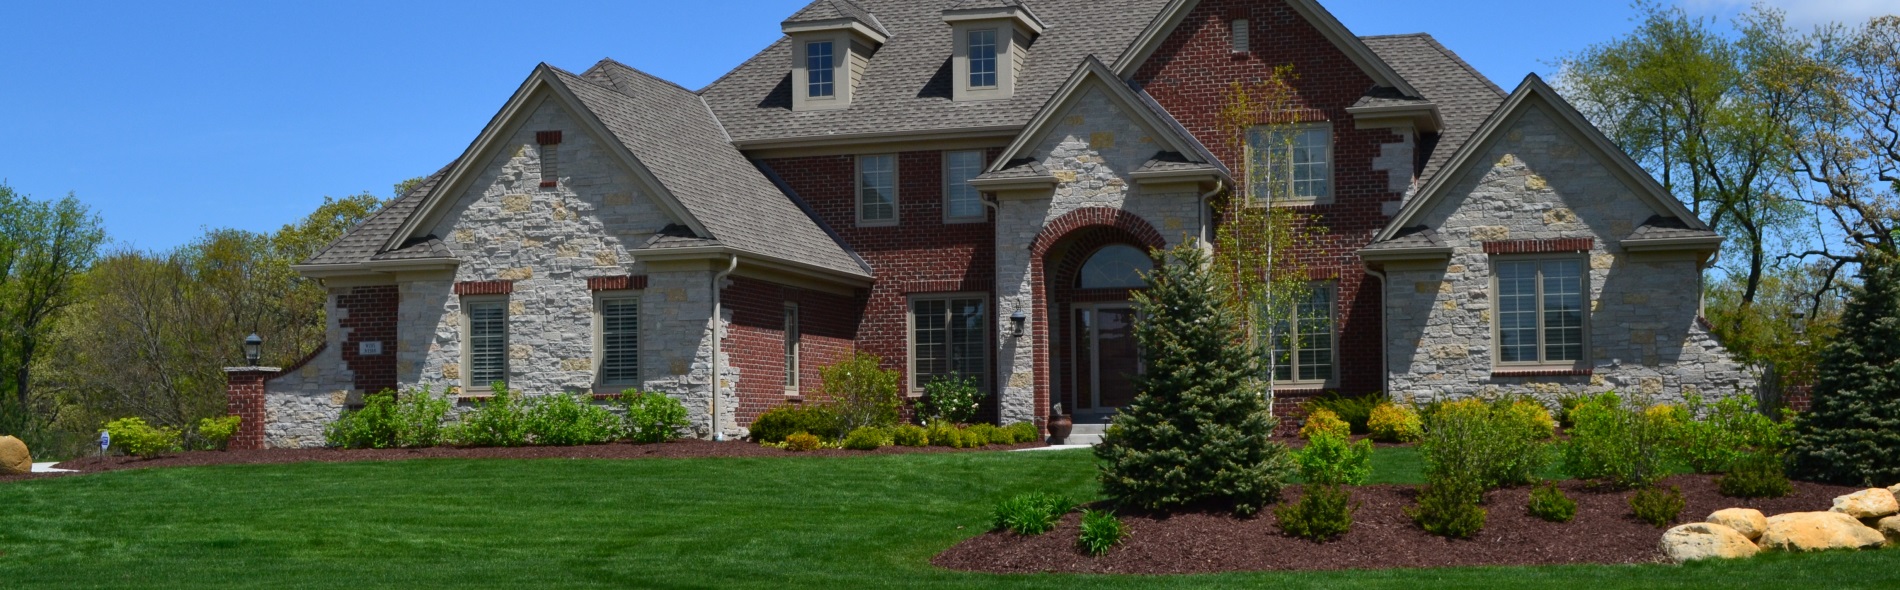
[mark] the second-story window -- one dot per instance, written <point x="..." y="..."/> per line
<point x="877" y="190"/>
<point x="1291" y="163"/>
<point x="818" y="70"/>
<point x="962" y="202"/>
<point x="983" y="58"/>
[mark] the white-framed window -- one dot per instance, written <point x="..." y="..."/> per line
<point x="792" y="337"/>
<point x="1291" y="162"/>
<point x="877" y="190"/>
<point x="962" y="202"/>
<point x="949" y="336"/>
<point x="1303" y="349"/>
<point x="983" y="58"/>
<point x="1239" y="32"/>
<point x="1541" y="302"/>
<point x="819" y="71"/>
<point x="484" y="341"/>
<point x="618" y="339"/>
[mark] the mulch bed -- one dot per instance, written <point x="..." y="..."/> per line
<point x="1382" y="536"/>
<point x="668" y="450"/>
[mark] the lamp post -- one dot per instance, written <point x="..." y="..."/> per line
<point x="253" y="348"/>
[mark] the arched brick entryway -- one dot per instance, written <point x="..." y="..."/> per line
<point x="1056" y="255"/>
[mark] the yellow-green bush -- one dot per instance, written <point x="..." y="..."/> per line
<point x="217" y="432"/>
<point x="910" y="435"/>
<point x="802" y="441"/>
<point x="1394" y="423"/>
<point x="1532" y="416"/>
<point x="136" y="437"/>
<point x="1324" y="420"/>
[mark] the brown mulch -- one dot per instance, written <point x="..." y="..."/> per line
<point x="1381" y="536"/>
<point x="669" y="450"/>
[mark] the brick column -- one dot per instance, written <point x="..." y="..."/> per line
<point x="244" y="398"/>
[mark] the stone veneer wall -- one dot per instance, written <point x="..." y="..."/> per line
<point x="1538" y="182"/>
<point x="301" y="401"/>
<point x="1092" y="151"/>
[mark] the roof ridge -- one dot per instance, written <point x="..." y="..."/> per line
<point x="1392" y="35"/>
<point x="643" y="73"/>
<point x="1455" y="58"/>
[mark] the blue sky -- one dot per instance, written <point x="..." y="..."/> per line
<point x="169" y="118"/>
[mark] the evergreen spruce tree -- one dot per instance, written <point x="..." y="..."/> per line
<point x="1196" y="434"/>
<point x="1851" y="432"/>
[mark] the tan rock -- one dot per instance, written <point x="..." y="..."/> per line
<point x="1704" y="540"/>
<point x="1747" y="521"/>
<point x="1889" y="527"/>
<point x="1817" y="531"/>
<point x="1873" y="503"/>
<point x="1895" y="490"/>
<point x="14" y="457"/>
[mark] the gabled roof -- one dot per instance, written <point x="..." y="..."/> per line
<point x="1534" y="93"/>
<point x="1168" y="131"/>
<point x="826" y="11"/>
<point x="1465" y="98"/>
<point x="1355" y="49"/>
<point x="366" y="240"/>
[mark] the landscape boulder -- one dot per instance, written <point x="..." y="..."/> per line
<point x="1747" y="521"/>
<point x="1890" y="528"/>
<point x="14" y="458"/>
<point x="1872" y="503"/>
<point x="1705" y="540"/>
<point x="1818" y="531"/>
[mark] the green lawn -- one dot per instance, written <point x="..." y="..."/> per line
<point x="860" y="522"/>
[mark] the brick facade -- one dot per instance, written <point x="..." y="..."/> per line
<point x="755" y="341"/>
<point x="369" y="315"/>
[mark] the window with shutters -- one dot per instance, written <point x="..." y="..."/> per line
<point x="949" y="336"/>
<point x="485" y="344"/>
<point x="619" y="318"/>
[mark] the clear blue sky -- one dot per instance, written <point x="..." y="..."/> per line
<point x="172" y="117"/>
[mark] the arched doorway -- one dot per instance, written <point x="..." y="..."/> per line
<point x="1097" y="271"/>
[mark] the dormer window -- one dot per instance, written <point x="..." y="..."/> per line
<point x="992" y="43"/>
<point x="983" y="58"/>
<point x="819" y="70"/>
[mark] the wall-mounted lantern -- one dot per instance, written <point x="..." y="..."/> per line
<point x="1016" y="321"/>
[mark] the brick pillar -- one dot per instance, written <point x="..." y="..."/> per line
<point x="244" y="398"/>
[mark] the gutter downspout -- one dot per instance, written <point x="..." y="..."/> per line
<point x="719" y="328"/>
<point x="1385" y="368"/>
<point x="1219" y="185"/>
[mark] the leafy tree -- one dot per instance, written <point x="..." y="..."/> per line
<point x="1197" y="431"/>
<point x="1851" y="434"/>
<point x="44" y="248"/>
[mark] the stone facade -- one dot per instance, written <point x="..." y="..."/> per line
<point x="1539" y="182"/>
<point x="301" y="400"/>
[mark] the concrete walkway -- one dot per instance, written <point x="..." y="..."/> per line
<point x="1052" y="448"/>
<point x="48" y="468"/>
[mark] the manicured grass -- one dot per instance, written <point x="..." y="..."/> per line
<point x="859" y="522"/>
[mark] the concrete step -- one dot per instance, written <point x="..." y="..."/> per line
<point x="1086" y="434"/>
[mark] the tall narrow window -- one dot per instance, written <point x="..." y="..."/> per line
<point x="620" y="341"/>
<point x="791" y="347"/>
<point x="877" y="190"/>
<point x="949" y="336"/>
<point x="1303" y="346"/>
<point x="818" y="70"/>
<point x="487" y="342"/>
<point x="983" y="58"/>
<point x="1239" y="34"/>
<point x="962" y="202"/>
<point x="1540" y="310"/>
<point x="1291" y="163"/>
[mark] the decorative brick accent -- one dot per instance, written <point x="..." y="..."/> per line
<point x="369" y="315"/>
<point x="1540" y="246"/>
<point x="244" y="398"/>
<point x="547" y="137"/>
<point x="487" y="287"/>
<point x="619" y="283"/>
<point x="1586" y="372"/>
<point x="1079" y="233"/>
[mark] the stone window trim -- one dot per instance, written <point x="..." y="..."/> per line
<point x="468" y="301"/>
<point x="1302" y="120"/>
<point x="910" y="387"/>
<point x="1540" y="368"/>
<point x="617" y="283"/>
<point x="949" y="184"/>
<point x="498" y="287"/>
<point x="858" y="203"/>
<point x="793" y="336"/>
<point x="550" y="142"/>
<point x="1331" y="381"/>
<point x="1550" y="246"/>
<point x="598" y="328"/>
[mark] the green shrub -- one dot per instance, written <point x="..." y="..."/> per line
<point x="1656" y="505"/>
<point x="1356" y="411"/>
<point x="1394" y="423"/>
<point x="217" y="432"/>
<point x="867" y="438"/>
<point x="135" y="437"/>
<point x="386" y="421"/>
<point x="1529" y="415"/>
<point x="945" y="435"/>
<point x="1033" y="513"/>
<point x="1322" y="420"/>
<point x="1568" y="402"/>
<point x="803" y="441"/>
<point x="1448" y="511"/>
<point x="777" y="423"/>
<point x="501" y="421"/>
<point x="910" y="435"/>
<point x="1725" y="431"/>
<point x="1473" y="445"/>
<point x="1322" y="514"/>
<point x="652" y="417"/>
<point x="1620" y="443"/>
<point x="953" y="399"/>
<point x="1848" y="435"/>
<point x="1100" y="531"/>
<point x="988" y="434"/>
<point x="1330" y="459"/>
<point x="1550" y="503"/>
<point x="971" y="439"/>
<point x="861" y="392"/>
<point x="1023" y="432"/>
<point x="565" y="420"/>
<point x="1760" y="474"/>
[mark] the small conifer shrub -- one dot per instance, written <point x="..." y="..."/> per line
<point x="1550" y="503"/>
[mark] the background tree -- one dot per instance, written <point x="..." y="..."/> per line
<point x="44" y="246"/>
<point x="1851" y="432"/>
<point x="1849" y="127"/>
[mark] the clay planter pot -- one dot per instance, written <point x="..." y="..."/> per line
<point x="1059" y="427"/>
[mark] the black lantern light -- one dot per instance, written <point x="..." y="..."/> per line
<point x="253" y="348"/>
<point x="1016" y="321"/>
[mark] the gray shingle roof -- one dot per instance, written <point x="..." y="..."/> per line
<point x="824" y="10"/>
<point x="367" y="238"/>
<point x="906" y="87"/>
<point x="1174" y="162"/>
<point x="673" y="133"/>
<point x="1017" y="168"/>
<point x="1658" y="227"/>
<point x="1465" y="98"/>
<point x="676" y="236"/>
<point x="422" y="248"/>
<point x="1417" y="236"/>
<point x="1380" y="96"/>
